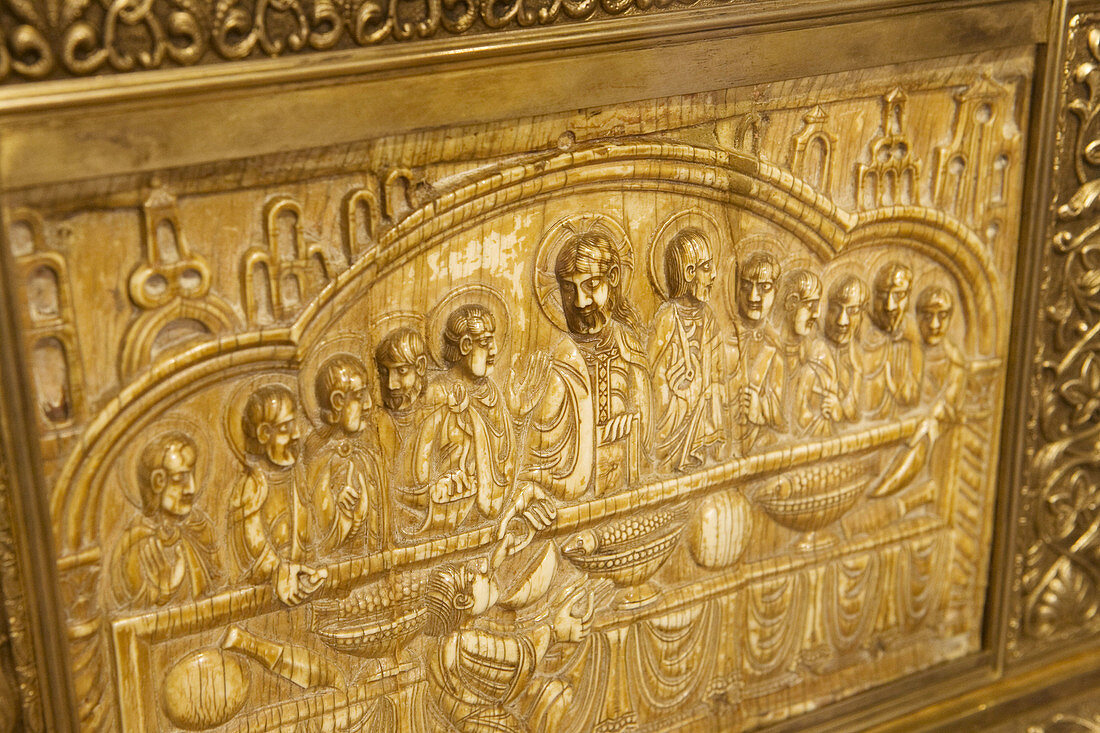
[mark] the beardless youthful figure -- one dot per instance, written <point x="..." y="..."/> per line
<point x="268" y="507"/>
<point x="167" y="554"/>
<point x="345" y="469"/>
<point x="945" y="365"/>
<point x="755" y="383"/>
<point x="685" y="356"/>
<point x="893" y="358"/>
<point x="465" y="453"/>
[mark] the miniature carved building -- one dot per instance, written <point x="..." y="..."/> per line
<point x="677" y="408"/>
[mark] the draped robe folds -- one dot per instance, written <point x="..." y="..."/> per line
<point x="671" y="658"/>
<point x="159" y="562"/>
<point x="847" y="368"/>
<point x="267" y="519"/>
<point x="812" y="374"/>
<point x="594" y="383"/>
<point x="754" y="361"/>
<point x="339" y="460"/>
<point x="397" y="434"/>
<point x="686" y="359"/>
<point x="488" y="677"/>
<point x="478" y="673"/>
<point x="464" y="452"/>
<point x="893" y="364"/>
<point x="945" y="372"/>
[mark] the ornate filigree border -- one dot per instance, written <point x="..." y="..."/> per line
<point x="1058" y="550"/>
<point x="51" y="38"/>
<point x="14" y="612"/>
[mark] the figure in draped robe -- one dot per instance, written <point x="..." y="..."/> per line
<point x="591" y="428"/>
<point x="269" y="506"/>
<point x="805" y="358"/>
<point x="755" y="369"/>
<point x="893" y="357"/>
<point x="685" y="354"/>
<point x="168" y="553"/>
<point x="346" y="470"/>
<point x="401" y="358"/>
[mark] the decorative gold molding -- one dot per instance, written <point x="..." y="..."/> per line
<point x="51" y="39"/>
<point x="1059" y="536"/>
<point x="14" y="626"/>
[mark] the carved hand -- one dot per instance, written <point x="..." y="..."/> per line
<point x="573" y="620"/>
<point x="750" y="405"/>
<point x="616" y="428"/>
<point x="348" y="499"/>
<point x="527" y="381"/>
<point x="294" y="583"/>
<point x="830" y="406"/>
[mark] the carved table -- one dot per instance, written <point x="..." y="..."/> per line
<point x="537" y="365"/>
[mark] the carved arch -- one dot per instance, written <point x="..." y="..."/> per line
<point x="140" y="338"/>
<point x="728" y="178"/>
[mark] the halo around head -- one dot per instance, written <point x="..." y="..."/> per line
<point x="546" y="283"/>
<point x="673" y="225"/>
<point x="156" y="430"/>
<point x="474" y="293"/>
<point x="238" y="398"/>
<point x="349" y="344"/>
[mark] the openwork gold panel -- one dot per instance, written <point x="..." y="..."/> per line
<point x="675" y="413"/>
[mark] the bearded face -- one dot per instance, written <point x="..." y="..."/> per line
<point x="891" y="296"/>
<point x="175" y="482"/>
<point x="586" y="300"/>
<point x="804" y="316"/>
<point x="402" y="383"/>
<point x="280" y="437"/>
<point x="699" y="275"/>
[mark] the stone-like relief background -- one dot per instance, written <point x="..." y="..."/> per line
<point x="677" y="412"/>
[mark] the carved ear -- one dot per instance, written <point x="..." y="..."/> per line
<point x="613" y="276"/>
<point x="336" y="399"/>
<point x="263" y="432"/>
<point x="689" y="270"/>
<point x="465" y="345"/>
<point x="422" y="364"/>
<point x="159" y="478"/>
<point x="464" y="601"/>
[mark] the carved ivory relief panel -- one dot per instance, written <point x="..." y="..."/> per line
<point x="673" y="414"/>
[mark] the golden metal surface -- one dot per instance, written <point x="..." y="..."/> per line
<point x="664" y="372"/>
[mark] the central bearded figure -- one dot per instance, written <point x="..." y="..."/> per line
<point x="599" y="384"/>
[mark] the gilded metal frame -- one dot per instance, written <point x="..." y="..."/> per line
<point x="61" y="133"/>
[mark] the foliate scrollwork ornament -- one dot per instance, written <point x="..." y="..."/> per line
<point x="20" y="696"/>
<point x="1060" y="556"/>
<point x="40" y="39"/>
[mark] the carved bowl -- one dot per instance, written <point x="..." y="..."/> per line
<point x="381" y="634"/>
<point x="808" y="505"/>
<point x="632" y="560"/>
